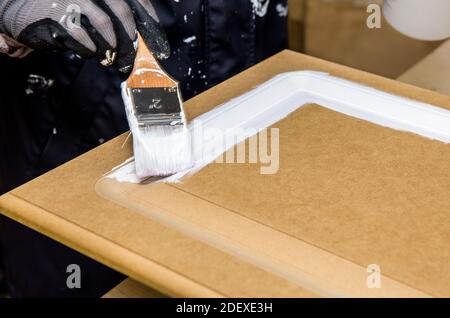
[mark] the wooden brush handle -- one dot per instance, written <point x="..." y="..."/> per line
<point x="147" y="72"/>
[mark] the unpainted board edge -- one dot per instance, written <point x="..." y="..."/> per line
<point x="305" y="276"/>
<point x="114" y="256"/>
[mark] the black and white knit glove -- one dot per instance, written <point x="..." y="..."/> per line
<point x="105" y="29"/>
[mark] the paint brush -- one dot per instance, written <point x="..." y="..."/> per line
<point x="157" y="120"/>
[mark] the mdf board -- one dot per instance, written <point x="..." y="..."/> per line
<point x="349" y="194"/>
<point x="428" y="73"/>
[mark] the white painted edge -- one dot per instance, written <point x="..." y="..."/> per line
<point x="275" y="99"/>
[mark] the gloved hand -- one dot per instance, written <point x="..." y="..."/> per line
<point x="13" y="48"/>
<point x="105" y="29"/>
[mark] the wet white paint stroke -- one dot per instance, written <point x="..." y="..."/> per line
<point x="260" y="7"/>
<point x="274" y="100"/>
<point x="159" y="150"/>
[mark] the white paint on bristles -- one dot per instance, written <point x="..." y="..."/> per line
<point x="158" y="150"/>
<point x="274" y="100"/>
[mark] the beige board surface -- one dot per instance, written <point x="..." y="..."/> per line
<point x="132" y="289"/>
<point x="64" y="205"/>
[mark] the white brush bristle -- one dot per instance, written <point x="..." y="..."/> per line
<point x="159" y="151"/>
<point x="162" y="150"/>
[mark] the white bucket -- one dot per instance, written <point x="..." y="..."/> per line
<point x="421" y="19"/>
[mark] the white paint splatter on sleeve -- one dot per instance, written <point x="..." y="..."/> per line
<point x="282" y="10"/>
<point x="260" y="7"/>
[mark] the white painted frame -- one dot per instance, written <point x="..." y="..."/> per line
<point x="277" y="98"/>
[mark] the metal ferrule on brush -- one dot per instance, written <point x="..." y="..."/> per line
<point x="157" y="106"/>
<point x="162" y="141"/>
